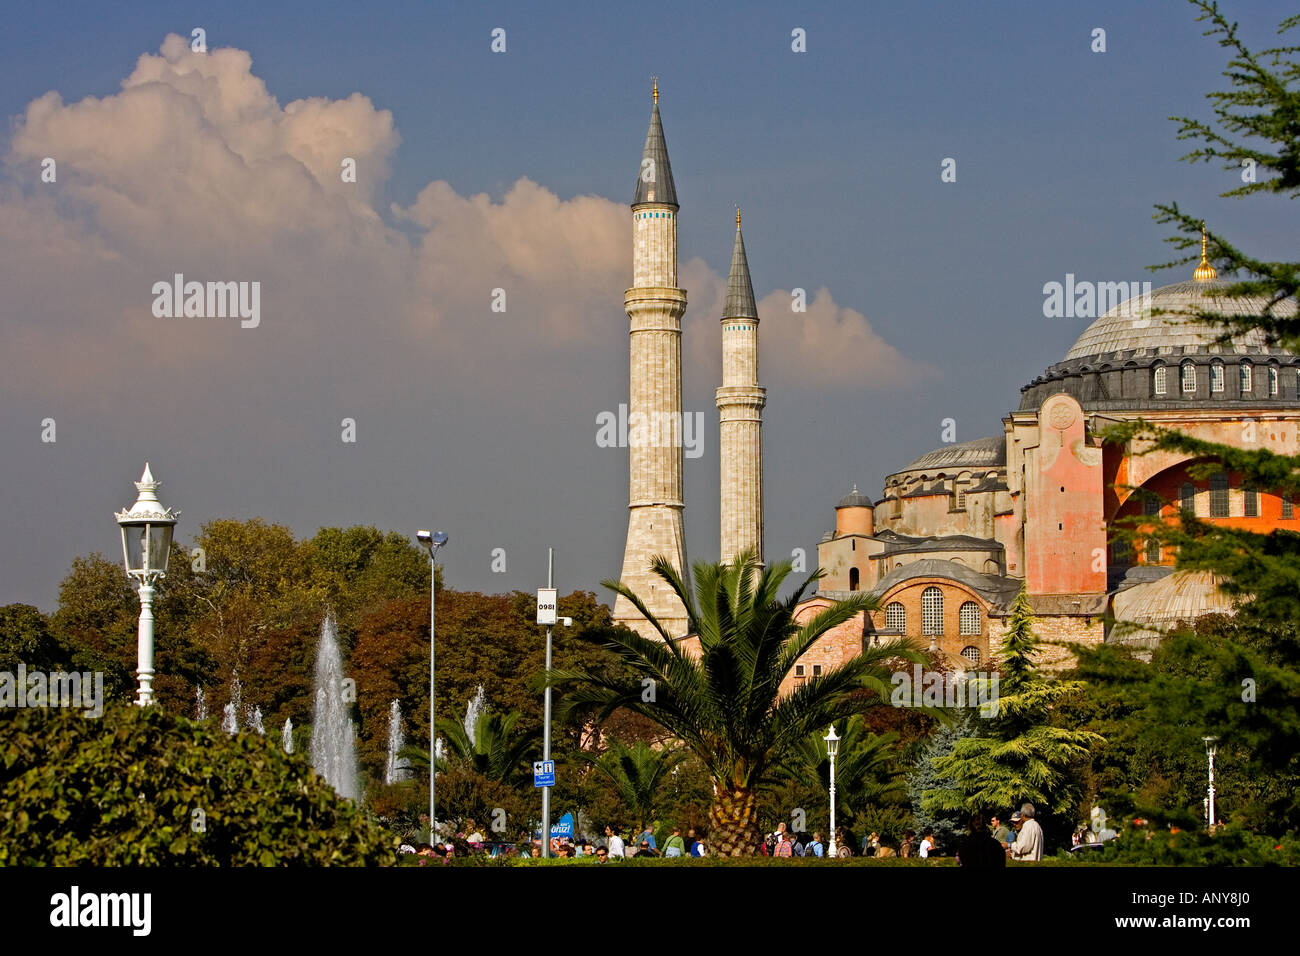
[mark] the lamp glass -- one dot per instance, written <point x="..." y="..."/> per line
<point x="832" y="743"/>
<point x="146" y="546"/>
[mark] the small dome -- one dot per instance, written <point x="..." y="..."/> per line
<point x="1130" y="325"/>
<point x="855" y="500"/>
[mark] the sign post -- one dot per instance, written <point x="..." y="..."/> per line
<point x="544" y="776"/>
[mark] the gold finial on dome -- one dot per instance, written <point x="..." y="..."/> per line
<point x="737" y="217"/>
<point x="654" y="90"/>
<point x="1204" y="272"/>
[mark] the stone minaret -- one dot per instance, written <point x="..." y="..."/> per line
<point x="654" y="305"/>
<point x="740" y="408"/>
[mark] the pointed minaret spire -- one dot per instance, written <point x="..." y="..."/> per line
<point x="654" y="180"/>
<point x="740" y="290"/>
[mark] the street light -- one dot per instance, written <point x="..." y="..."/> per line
<point x="1211" y="748"/>
<point x="832" y="748"/>
<point x="146" y="544"/>
<point x="547" y="613"/>
<point x="432" y="542"/>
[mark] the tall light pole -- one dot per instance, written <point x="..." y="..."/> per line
<point x="432" y="542"/>
<point x="832" y="748"/>
<point x="146" y="544"/>
<point x="1211" y="748"/>
<point x="547" y="609"/>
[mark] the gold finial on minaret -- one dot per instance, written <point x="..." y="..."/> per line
<point x="1204" y="272"/>
<point x="654" y="90"/>
<point x="737" y="217"/>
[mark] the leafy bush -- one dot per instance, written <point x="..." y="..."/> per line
<point x="1230" y="846"/>
<point x="140" y="787"/>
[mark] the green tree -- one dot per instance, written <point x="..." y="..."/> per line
<point x="725" y="703"/>
<point x="1255" y="133"/>
<point x="867" y="773"/>
<point x="1018" y="754"/>
<point x="25" y="638"/>
<point x="1256" y="127"/>
<point x="139" y="787"/>
<point x="638" y="775"/>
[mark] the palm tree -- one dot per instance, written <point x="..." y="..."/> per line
<point x="867" y="772"/>
<point x="490" y="752"/>
<point x="637" y="773"/>
<point x="721" y="694"/>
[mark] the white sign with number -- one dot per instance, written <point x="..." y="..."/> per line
<point x="546" y="606"/>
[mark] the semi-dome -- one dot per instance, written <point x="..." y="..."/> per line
<point x="990" y="452"/>
<point x="1144" y="612"/>
<point x="1131" y="325"/>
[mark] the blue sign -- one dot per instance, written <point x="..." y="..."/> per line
<point x="543" y="773"/>
<point x="564" y="827"/>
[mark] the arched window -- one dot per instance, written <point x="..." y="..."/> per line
<point x="1219" y="495"/>
<point x="1158" y="380"/>
<point x="1150" y="505"/>
<point x="1153" y="551"/>
<point x="1216" y="376"/>
<point x="1288" y="507"/>
<point x="1247" y="378"/>
<point x="853" y="579"/>
<point x="1187" y="374"/>
<point x="970" y="618"/>
<point x="971" y="653"/>
<point x="1187" y="497"/>
<point x="1272" y="380"/>
<point x="931" y="611"/>
<point x="1252" y="502"/>
<point x="896" y="616"/>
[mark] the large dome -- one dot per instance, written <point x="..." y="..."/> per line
<point x="1131" y="326"/>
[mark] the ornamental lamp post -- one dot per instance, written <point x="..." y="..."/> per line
<point x="146" y="544"/>
<point x="832" y="748"/>
<point x="432" y="541"/>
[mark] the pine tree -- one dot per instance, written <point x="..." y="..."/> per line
<point x="1016" y="754"/>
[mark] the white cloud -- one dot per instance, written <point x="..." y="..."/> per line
<point x="194" y="167"/>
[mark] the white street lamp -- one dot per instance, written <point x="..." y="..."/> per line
<point x="146" y="544"/>
<point x="432" y="542"/>
<point x="832" y="748"/>
<point x="1211" y="748"/>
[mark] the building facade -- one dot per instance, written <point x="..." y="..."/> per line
<point x="956" y="532"/>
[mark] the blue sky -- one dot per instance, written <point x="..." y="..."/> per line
<point x="834" y="154"/>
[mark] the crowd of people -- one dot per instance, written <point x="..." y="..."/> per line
<point x="985" y="844"/>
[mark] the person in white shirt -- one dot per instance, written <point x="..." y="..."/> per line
<point x="614" y="843"/>
<point x="927" y="843"/>
<point x="1029" y="838"/>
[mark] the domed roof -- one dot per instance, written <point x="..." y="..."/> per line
<point x="855" y="500"/>
<point x="1130" y="325"/>
<point x="988" y="452"/>
<point x="1144" y="611"/>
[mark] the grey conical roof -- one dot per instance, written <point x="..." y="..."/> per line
<point x="661" y="190"/>
<point x="740" y="290"/>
